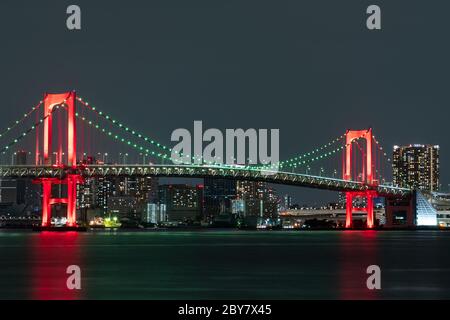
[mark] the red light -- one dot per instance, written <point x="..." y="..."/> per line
<point x="50" y="102"/>
<point x="352" y="135"/>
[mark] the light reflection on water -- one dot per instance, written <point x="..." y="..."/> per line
<point x="51" y="254"/>
<point x="225" y="264"/>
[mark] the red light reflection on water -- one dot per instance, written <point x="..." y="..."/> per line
<point x="358" y="250"/>
<point x="52" y="253"/>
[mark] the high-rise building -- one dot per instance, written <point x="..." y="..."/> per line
<point x="182" y="202"/>
<point x="154" y="213"/>
<point x="86" y="194"/>
<point x="260" y="199"/>
<point x="218" y="195"/>
<point x="238" y="207"/>
<point x="287" y="202"/>
<point x="146" y="191"/>
<point x="123" y="206"/>
<point x="102" y="194"/>
<point x="416" y="166"/>
<point x="143" y="189"/>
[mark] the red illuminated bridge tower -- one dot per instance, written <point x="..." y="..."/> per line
<point x="365" y="175"/>
<point x="51" y="103"/>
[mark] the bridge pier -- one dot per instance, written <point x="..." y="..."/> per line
<point x="369" y="196"/>
<point x="70" y="200"/>
<point x="366" y="174"/>
<point x="52" y="102"/>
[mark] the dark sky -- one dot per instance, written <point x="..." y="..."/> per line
<point x="310" y="68"/>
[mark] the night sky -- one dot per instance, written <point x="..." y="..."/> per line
<point x="310" y="68"/>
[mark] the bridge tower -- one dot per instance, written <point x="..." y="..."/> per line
<point x="52" y="101"/>
<point x="366" y="175"/>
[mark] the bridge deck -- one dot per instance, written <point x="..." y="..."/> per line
<point x="231" y="172"/>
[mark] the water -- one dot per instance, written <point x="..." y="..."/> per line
<point x="225" y="264"/>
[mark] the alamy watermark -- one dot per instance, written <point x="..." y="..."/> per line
<point x="235" y="147"/>
<point x="374" y="280"/>
<point x="74" y="280"/>
<point x="73" y="21"/>
<point x="373" y="21"/>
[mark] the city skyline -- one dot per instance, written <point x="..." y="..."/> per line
<point x="218" y="157"/>
<point x="169" y="69"/>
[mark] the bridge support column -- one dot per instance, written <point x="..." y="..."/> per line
<point x="366" y="175"/>
<point x="48" y="200"/>
<point x="370" y="217"/>
<point x="348" y="209"/>
<point x="369" y="196"/>
<point x="52" y="101"/>
<point x="46" y="206"/>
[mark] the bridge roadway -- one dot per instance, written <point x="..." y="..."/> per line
<point x="200" y="171"/>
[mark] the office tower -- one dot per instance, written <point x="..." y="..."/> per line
<point x="86" y="194"/>
<point x="260" y="199"/>
<point x="123" y="206"/>
<point x="103" y="191"/>
<point x="416" y="166"/>
<point x="146" y="191"/>
<point x="287" y="202"/>
<point x="182" y="202"/>
<point x="155" y="213"/>
<point x="143" y="189"/>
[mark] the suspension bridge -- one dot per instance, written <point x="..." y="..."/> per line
<point x="63" y="155"/>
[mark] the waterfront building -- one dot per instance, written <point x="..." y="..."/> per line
<point x="182" y="202"/>
<point x="416" y="166"/>
<point x="155" y="213"/>
<point x="260" y="199"/>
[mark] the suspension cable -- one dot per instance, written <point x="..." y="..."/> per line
<point x="26" y="132"/>
<point x="17" y="122"/>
